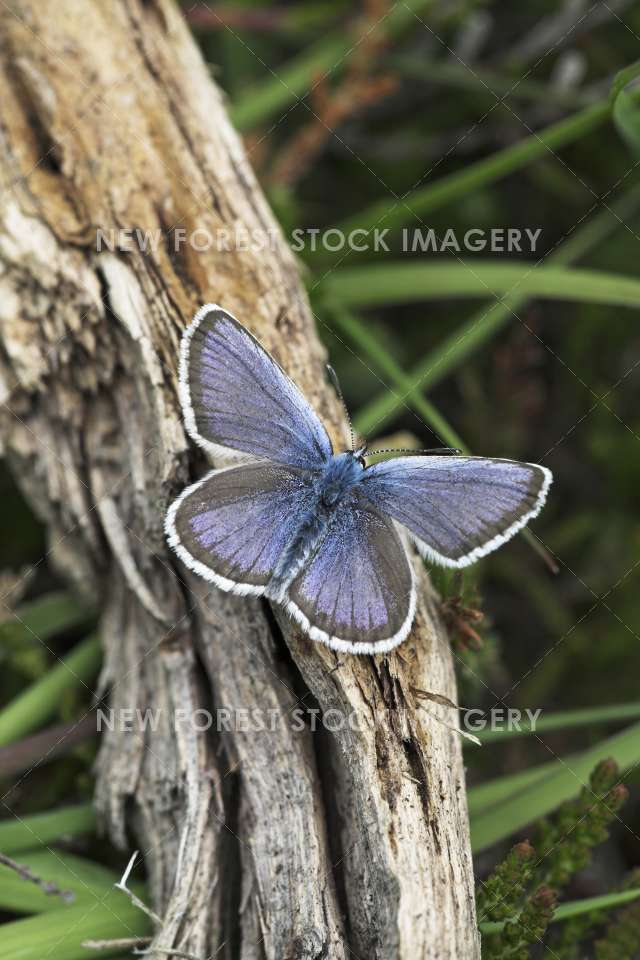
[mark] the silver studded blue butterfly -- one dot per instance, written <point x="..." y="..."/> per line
<point x="320" y="532"/>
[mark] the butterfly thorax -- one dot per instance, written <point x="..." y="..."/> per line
<point x="331" y="486"/>
<point x="340" y="474"/>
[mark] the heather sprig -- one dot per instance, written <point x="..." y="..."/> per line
<point x="621" y="940"/>
<point x="523" y="889"/>
<point x="501" y="893"/>
<point x="527" y="929"/>
<point x="565" y="841"/>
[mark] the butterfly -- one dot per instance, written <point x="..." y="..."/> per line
<point x="323" y="533"/>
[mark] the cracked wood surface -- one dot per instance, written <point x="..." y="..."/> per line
<point x="281" y="844"/>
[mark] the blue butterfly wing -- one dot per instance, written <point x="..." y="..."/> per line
<point x="231" y="526"/>
<point x="235" y="397"/>
<point x="457" y="509"/>
<point x="356" y="593"/>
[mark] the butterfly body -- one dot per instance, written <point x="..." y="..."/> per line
<point x="318" y="532"/>
<point x="330" y="488"/>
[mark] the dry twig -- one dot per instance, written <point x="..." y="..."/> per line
<point x="46" y="886"/>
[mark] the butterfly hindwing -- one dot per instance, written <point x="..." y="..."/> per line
<point x="457" y="509"/>
<point x="232" y="526"/>
<point x="356" y="592"/>
<point x="236" y="398"/>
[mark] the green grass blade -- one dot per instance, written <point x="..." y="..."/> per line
<point x="448" y="355"/>
<point x="48" y="615"/>
<point x="574" y="908"/>
<point x="83" y="878"/>
<point x="487" y="795"/>
<point x="565" y="779"/>
<point x="382" y="359"/>
<point x="589" y="904"/>
<point x="565" y="720"/>
<point x="40" y="701"/>
<point x="391" y="283"/>
<point x="423" y="202"/>
<point x="625" y="96"/>
<point x="259" y="102"/>
<point x="58" y="934"/>
<point x="484" y="324"/>
<point x="43" y="828"/>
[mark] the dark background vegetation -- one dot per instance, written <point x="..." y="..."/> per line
<point x="557" y="384"/>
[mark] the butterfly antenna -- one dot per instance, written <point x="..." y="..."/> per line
<point x="445" y="451"/>
<point x="333" y="376"/>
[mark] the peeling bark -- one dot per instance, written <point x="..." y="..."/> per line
<point x="279" y="844"/>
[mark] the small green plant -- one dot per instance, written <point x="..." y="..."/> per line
<point x="620" y="940"/>
<point x="517" y="902"/>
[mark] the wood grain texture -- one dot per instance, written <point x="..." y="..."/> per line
<point x="351" y="841"/>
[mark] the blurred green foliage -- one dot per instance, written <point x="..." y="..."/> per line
<point x="469" y="139"/>
<point x="472" y="115"/>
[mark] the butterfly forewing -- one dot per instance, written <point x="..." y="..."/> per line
<point x="356" y="593"/>
<point x="457" y="509"/>
<point x="236" y="397"/>
<point x="232" y="526"/>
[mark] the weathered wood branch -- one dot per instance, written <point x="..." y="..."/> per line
<point x="284" y="843"/>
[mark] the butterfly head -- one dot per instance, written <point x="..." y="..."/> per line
<point x="359" y="455"/>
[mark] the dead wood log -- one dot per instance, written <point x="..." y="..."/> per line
<point x="277" y="844"/>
